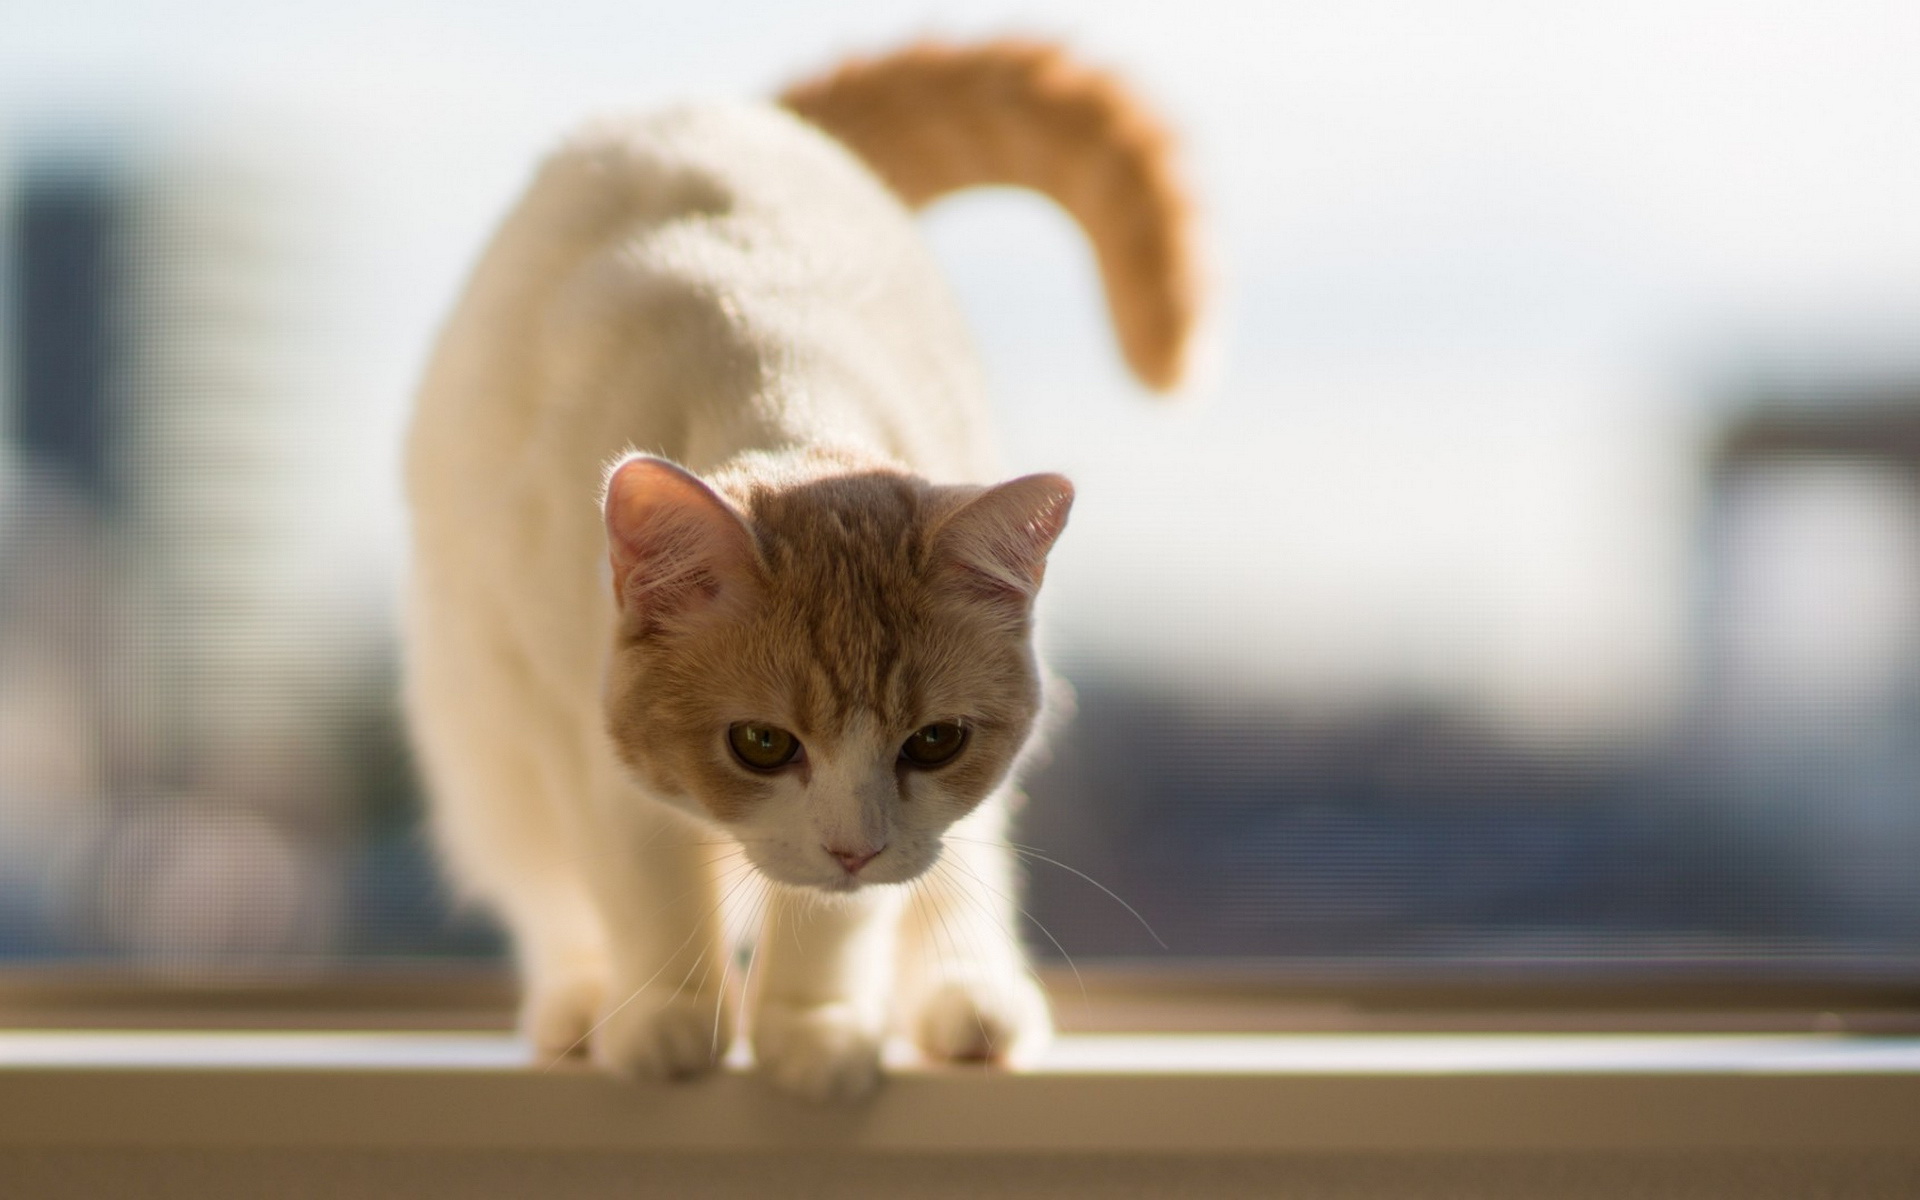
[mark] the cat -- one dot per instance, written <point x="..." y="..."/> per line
<point x="791" y="645"/>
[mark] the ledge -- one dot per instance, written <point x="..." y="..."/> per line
<point x="1165" y="1094"/>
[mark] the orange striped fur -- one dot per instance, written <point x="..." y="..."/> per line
<point x="933" y="118"/>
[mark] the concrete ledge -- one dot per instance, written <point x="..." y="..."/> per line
<point x="1259" y="1095"/>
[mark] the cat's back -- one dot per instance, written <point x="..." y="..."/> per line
<point x="698" y="281"/>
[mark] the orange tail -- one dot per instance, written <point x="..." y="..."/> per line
<point x="933" y="118"/>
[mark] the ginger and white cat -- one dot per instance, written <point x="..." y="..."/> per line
<point x="812" y="653"/>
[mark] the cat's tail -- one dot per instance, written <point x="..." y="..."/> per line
<point x="933" y="118"/>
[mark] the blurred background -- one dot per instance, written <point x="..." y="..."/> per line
<point x="1534" y="589"/>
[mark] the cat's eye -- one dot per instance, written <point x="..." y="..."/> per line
<point x="762" y="747"/>
<point x="933" y="745"/>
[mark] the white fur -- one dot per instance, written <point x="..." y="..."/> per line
<point x="697" y="284"/>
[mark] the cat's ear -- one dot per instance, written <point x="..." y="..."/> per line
<point x="676" y="547"/>
<point x="999" y="540"/>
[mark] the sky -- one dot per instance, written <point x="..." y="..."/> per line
<point x="1488" y="274"/>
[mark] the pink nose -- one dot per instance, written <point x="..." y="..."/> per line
<point x="853" y="860"/>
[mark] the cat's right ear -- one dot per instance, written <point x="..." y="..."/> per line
<point x="676" y="547"/>
<point x="999" y="539"/>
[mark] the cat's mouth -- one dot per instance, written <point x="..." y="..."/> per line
<point x="832" y="878"/>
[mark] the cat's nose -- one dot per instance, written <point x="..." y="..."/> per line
<point x="853" y="860"/>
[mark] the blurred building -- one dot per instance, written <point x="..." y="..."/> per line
<point x="1809" y="604"/>
<point x="167" y="790"/>
<point x="1769" y="828"/>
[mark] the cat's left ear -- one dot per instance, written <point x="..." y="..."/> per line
<point x="676" y="546"/>
<point x="999" y="539"/>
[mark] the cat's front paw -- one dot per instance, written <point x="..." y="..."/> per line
<point x="984" y="1020"/>
<point x="663" y="1037"/>
<point x="825" y="1052"/>
<point x="557" y="1015"/>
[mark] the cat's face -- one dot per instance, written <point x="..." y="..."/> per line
<point x="834" y="667"/>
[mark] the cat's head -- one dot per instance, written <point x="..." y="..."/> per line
<point x="832" y="662"/>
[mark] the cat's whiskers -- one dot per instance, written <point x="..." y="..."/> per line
<point x="940" y="912"/>
<point x="722" y="957"/>
<point x="718" y="878"/>
<point x="793" y="928"/>
<point x="753" y="951"/>
<point x="709" y="949"/>
<point x="1017" y="907"/>
<point x="710" y="958"/>
<point x="698" y="959"/>
<point x="719" y="1004"/>
<point x="1030" y="854"/>
<point x="973" y="944"/>
<point x="935" y="929"/>
<point x="1008" y="930"/>
<point x="995" y="918"/>
<point x="670" y="960"/>
<point x="918" y="897"/>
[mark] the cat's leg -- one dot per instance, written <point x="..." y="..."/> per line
<point x="562" y="955"/>
<point x="967" y="991"/>
<point x="498" y="821"/>
<point x="823" y="990"/>
<point x="660" y="887"/>
<point x="503" y="832"/>
<point x="495" y="822"/>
